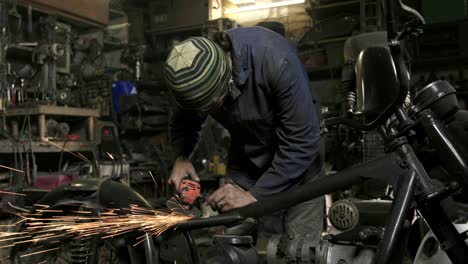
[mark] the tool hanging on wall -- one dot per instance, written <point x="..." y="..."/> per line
<point x="30" y="26"/>
<point x="13" y="12"/>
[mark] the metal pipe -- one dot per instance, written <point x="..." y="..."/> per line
<point x="450" y="240"/>
<point x="403" y="117"/>
<point x="411" y="11"/>
<point x="448" y="153"/>
<point x="150" y="249"/>
<point x="193" y="248"/>
<point x="385" y="168"/>
<point x="44" y="79"/>
<point x="411" y="160"/>
<point x="217" y="220"/>
<point x="132" y="253"/>
<point x="400" y="208"/>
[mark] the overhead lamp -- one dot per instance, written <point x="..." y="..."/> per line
<point x="240" y="2"/>
<point x="263" y="6"/>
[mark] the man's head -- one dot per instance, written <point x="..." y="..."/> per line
<point x="197" y="71"/>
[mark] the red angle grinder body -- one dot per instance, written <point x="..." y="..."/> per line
<point x="189" y="191"/>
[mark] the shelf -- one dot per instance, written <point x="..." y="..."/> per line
<point x="81" y="14"/>
<point x="52" y="110"/>
<point x="44" y="147"/>
<point x="332" y="40"/>
<point x="174" y="29"/>
<point x="322" y="11"/>
<point x="110" y="45"/>
<point x="114" y="13"/>
<point x="314" y="44"/>
<point x="48" y="110"/>
<point x="335" y="5"/>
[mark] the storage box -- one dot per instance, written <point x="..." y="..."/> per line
<point x="92" y="12"/>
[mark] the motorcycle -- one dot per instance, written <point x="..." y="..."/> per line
<point x="382" y="85"/>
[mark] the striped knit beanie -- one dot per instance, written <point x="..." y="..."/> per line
<point x="196" y="71"/>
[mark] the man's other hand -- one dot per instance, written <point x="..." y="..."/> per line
<point x="230" y="197"/>
<point x="182" y="168"/>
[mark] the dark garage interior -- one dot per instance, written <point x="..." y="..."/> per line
<point x="234" y="131"/>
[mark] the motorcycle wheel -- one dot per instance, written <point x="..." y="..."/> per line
<point x="90" y="251"/>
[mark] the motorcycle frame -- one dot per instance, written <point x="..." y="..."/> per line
<point x="401" y="168"/>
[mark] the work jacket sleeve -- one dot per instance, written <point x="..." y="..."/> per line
<point x="297" y="125"/>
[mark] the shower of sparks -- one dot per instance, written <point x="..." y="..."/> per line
<point x="10" y="168"/>
<point x="58" y="225"/>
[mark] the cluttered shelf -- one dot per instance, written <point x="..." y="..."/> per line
<point x="51" y="110"/>
<point x="319" y="11"/>
<point x="334" y="5"/>
<point x="175" y="29"/>
<point x="43" y="112"/>
<point x="7" y="146"/>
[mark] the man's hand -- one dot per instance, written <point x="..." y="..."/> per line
<point x="182" y="168"/>
<point x="230" y="197"/>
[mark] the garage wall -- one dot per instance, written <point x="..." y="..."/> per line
<point x="294" y="18"/>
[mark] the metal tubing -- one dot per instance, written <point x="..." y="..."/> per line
<point x="223" y="219"/>
<point x="403" y="117"/>
<point x="400" y="208"/>
<point x="450" y="240"/>
<point x="448" y="153"/>
<point x="150" y="249"/>
<point x="132" y="254"/>
<point x="45" y="79"/>
<point x="386" y="168"/>
<point x="424" y="182"/>
<point x="193" y="248"/>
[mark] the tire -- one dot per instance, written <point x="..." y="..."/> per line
<point x="89" y="251"/>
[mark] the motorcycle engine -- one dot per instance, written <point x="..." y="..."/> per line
<point x="230" y="249"/>
<point x="358" y="227"/>
<point x="305" y="251"/>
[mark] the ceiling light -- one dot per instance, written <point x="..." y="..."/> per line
<point x="263" y="6"/>
<point x="241" y="2"/>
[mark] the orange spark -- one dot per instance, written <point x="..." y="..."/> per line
<point x="10" y="168"/>
<point x="39" y="252"/>
<point x="12" y="193"/>
<point x="108" y="224"/>
<point x="110" y="155"/>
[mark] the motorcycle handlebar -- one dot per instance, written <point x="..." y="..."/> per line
<point x="411" y="11"/>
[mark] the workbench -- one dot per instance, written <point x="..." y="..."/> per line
<point x="40" y="113"/>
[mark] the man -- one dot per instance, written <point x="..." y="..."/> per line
<point x="256" y="87"/>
